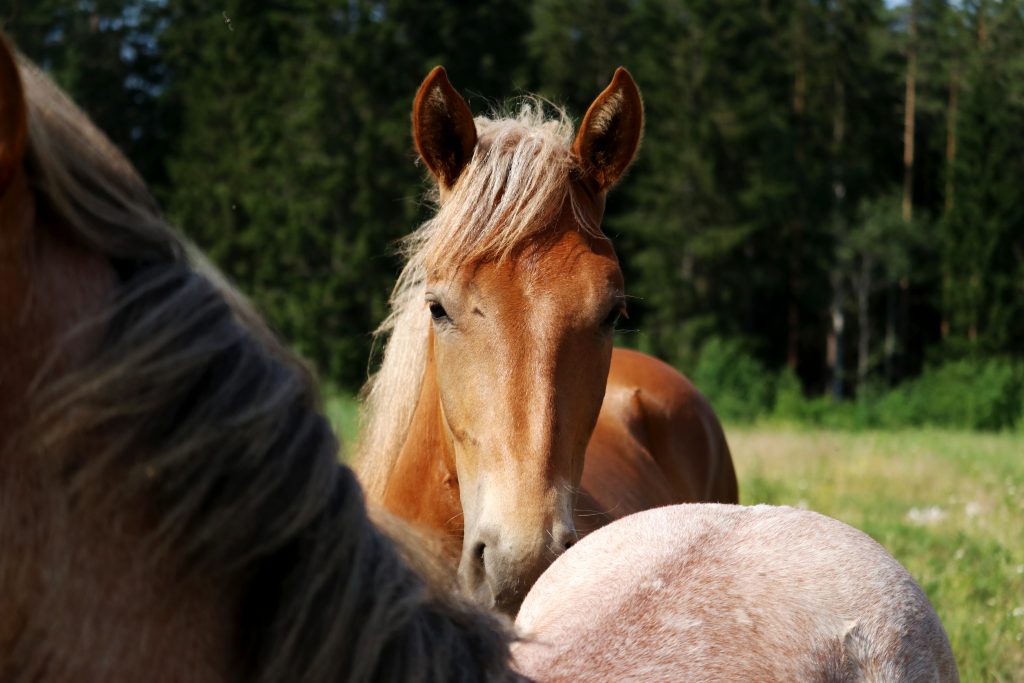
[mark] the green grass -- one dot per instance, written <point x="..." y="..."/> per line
<point x="948" y="505"/>
<point x="343" y="411"/>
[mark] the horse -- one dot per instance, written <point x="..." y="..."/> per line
<point x="171" y="505"/>
<point x="726" y="594"/>
<point x="501" y="417"/>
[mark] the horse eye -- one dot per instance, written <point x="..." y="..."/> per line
<point x="613" y="317"/>
<point x="437" y="311"/>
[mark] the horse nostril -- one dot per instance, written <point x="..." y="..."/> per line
<point x="570" y="543"/>
<point x="478" y="552"/>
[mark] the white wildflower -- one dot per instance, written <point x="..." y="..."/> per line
<point x="925" y="516"/>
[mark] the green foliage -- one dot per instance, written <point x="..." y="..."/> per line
<point x="737" y="385"/>
<point x="791" y="405"/>
<point x="964" y="394"/>
<point x="342" y="409"/>
<point x="983" y="395"/>
<point x="294" y="170"/>
<point x="983" y="245"/>
<point x="767" y="197"/>
<point x="104" y="54"/>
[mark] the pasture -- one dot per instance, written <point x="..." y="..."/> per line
<point x="948" y="505"/>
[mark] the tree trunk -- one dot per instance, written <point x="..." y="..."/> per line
<point x="951" y="112"/>
<point x="982" y="24"/>
<point x="864" y="322"/>
<point x="891" y="324"/>
<point x="901" y="352"/>
<point x="835" y="342"/>
<point x="908" y="116"/>
<point x="890" y="333"/>
<point x="836" y="337"/>
<point x="796" y="230"/>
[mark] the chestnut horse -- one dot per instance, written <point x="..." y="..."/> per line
<point x="486" y="421"/>
<point x="728" y="594"/>
<point x="171" y="507"/>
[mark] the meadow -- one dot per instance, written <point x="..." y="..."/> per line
<point x="948" y="504"/>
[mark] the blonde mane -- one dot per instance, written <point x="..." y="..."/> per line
<point x="518" y="181"/>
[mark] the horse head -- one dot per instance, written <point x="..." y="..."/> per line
<point x="523" y="292"/>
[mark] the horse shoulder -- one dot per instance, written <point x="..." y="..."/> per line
<point x="621" y="475"/>
<point x="656" y="411"/>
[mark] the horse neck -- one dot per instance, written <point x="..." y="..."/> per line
<point x="48" y="285"/>
<point x="78" y="599"/>
<point x="82" y="600"/>
<point x="22" y="333"/>
<point x="423" y="487"/>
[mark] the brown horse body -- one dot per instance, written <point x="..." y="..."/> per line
<point x="501" y="417"/>
<point x="657" y="442"/>
<point x="55" y="575"/>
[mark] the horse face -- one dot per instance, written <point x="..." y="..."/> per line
<point x="522" y="349"/>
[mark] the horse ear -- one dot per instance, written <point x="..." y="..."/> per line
<point x="610" y="133"/>
<point x="443" y="128"/>
<point x="13" y="120"/>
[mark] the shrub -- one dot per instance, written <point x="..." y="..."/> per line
<point x="737" y="384"/>
<point x="969" y="394"/>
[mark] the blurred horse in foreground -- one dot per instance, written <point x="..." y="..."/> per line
<point x="171" y="506"/>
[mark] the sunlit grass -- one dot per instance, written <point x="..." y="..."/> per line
<point x="948" y="505"/>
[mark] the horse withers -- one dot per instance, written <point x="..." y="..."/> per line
<point x="501" y="416"/>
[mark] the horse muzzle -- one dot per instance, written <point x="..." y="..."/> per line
<point x="498" y="569"/>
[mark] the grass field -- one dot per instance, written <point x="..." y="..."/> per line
<point x="343" y="412"/>
<point x="948" y="505"/>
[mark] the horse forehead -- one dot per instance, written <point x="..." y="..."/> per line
<point x="572" y="266"/>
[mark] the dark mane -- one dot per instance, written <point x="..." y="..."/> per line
<point x="193" y="410"/>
